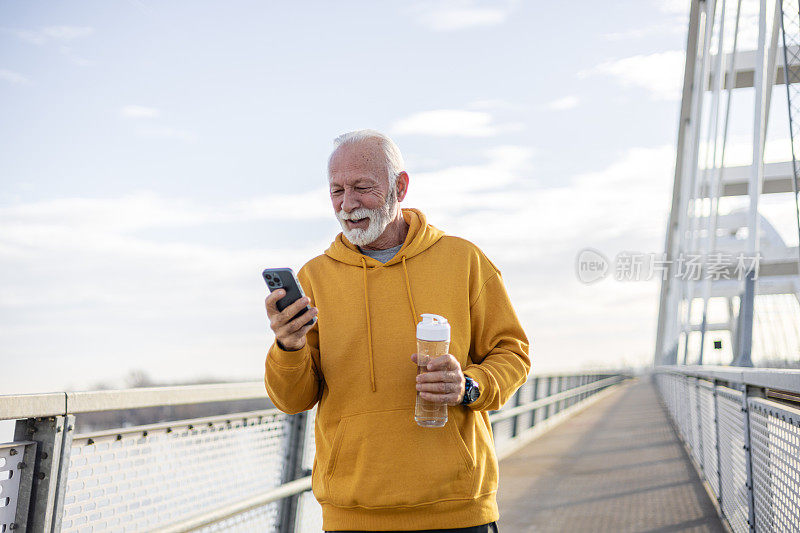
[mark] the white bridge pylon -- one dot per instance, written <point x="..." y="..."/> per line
<point x="736" y="57"/>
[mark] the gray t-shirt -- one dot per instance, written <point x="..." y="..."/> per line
<point x="382" y="255"/>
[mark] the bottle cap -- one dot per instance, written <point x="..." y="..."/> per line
<point x="433" y="328"/>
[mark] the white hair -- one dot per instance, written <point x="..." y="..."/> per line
<point x="391" y="153"/>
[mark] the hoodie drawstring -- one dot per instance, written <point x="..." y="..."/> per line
<point x="369" y="323"/>
<point x="410" y="299"/>
<point x="369" y="328"/>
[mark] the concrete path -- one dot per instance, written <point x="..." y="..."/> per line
<point x="617" y="466"/>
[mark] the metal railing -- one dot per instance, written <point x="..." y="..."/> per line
<point x="234" y="472"/>
<point x="742" y="429"/>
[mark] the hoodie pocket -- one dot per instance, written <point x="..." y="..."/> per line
<point x="383" y="459"/>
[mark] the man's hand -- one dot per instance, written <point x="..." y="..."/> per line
<point x="290" y="333"/>
<point x="443" y="382"/>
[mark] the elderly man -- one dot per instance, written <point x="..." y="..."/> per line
<point x="375" y="469"/>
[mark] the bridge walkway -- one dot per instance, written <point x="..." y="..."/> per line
<point x="618" y="466"/>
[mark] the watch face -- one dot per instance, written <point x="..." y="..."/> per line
<point x="473" y="394"/>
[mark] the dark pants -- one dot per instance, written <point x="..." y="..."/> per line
<point x="485" y="528"/>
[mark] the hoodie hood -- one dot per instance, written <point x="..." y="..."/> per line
<point x="421" y="236"/>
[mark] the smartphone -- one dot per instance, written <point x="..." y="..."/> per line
<point x="284" y="278"/>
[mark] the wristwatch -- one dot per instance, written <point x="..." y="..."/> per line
<point x="471" y="391"/>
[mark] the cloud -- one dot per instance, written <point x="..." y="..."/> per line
<point x="674" y="21"/>
<point x="122" y="214"/>
<point x="137" y="111"/>
<point x="131" y="213"/>
<point x="496" y="104"/>
<point x="659" y="73"/>
<point x="58" y="36"/>
<point x="308" y="205"/>
<point x="96" y="281"/>
<point x="450" y="123"/>
<point x="84" y="236"/>
<point x="52" y="33"/>
<point x="608" y="207"/>
<point x="67" y="33"/>
<point x="457" y="189"/>
<point x="673" y="7"/>
<point x="154" y="130"/>
<point x="13" y="77"/>
<point x="562" y="104"/>
<point x="74" y="58"/>
<point x="453" y="15"/>
<point x="167" y="132"/>
<point x="676" y="27"/>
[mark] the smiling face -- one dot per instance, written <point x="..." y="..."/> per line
<point x="362" y="198"/>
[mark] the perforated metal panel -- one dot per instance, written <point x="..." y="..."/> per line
<point x="138" y="480"/>
<point x="680" y="405"/>
<point x="775" y="444"/>
<point x="666" y="387"/>
<point x="258" y="519"/>
<point x="502" y="429"/>
<point x="679" y="399"/>
<point x="709" y="435"/>
<point x="12" y="455"/>
<point x="526" y="395"/>
<point x="310" y="442"/>
<point x="775" y="450"/>
<point x="693" y="419"/>
<point x="309" y="519"/>
<point x="683" y="402"/>
<point x="309" y="514"/>
<point x="733" y="471"/>
<point x="674" y="391"/>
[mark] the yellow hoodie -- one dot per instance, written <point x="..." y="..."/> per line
<point x="374" y="468"/>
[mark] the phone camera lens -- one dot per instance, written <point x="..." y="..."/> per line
<point x="271" y="283"/>
<point x="268" y="276"/>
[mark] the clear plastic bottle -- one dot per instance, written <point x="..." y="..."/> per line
<point x="433" y="340"/>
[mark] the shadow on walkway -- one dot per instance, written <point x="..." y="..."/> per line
<point x="617" y="466"/>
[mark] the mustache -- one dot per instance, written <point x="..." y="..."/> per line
<point x="356" y="214"/>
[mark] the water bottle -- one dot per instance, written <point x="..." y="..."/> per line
<point x="433" y="340"/>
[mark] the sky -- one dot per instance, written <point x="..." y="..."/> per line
<point x="156" y="156"/>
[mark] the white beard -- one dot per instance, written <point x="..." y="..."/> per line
<point x="378" y="220"/>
